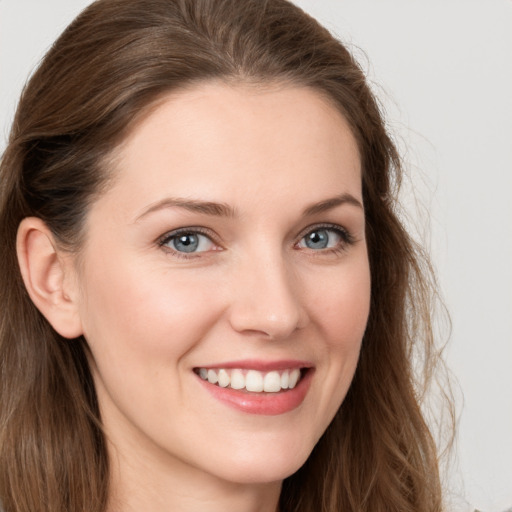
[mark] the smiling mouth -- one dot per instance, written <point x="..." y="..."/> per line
<point x="253" y="381"/>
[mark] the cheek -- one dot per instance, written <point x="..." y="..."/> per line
<point x="133" y="315"/>
<point x="344" y="329"/>
<point x="341" y="313"/>
<point x="140" y="325"/>
<point x="342" y="305"/>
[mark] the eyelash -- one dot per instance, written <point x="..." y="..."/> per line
<point x="168" y="237"/>
<point x="346" y="239"/>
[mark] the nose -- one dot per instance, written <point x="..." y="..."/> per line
<point x="266" y="299"/>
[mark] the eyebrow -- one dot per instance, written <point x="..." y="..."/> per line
<point x="333" y="202"/>
<point x="193" y="205"/>
<point x="224" y="210"/>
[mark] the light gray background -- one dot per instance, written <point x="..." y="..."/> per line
<point x="443" y="70"/>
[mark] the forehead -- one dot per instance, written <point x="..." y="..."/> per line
<point x="219" y="139"/>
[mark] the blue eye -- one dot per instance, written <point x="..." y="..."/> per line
<point x="321" y="238"/>
<point x="188" y="242"/>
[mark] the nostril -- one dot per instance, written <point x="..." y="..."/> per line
<point x="265" y="301"/>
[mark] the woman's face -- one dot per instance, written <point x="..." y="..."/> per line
<point x="231" y="248"/>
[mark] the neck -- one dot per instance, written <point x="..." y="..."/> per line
<point x="148" y="485"/>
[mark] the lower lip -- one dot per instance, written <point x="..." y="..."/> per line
<point x="270" y="404"/>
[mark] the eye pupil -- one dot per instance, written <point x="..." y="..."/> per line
<point x="317" y="239"/>
<point x="186" y="243"/>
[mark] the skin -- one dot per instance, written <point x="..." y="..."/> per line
<point x="254" y="291"/>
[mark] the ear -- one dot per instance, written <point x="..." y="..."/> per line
<point x="49" y="276"/>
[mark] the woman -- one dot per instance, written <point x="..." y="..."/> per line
<point x="208" y="301"/>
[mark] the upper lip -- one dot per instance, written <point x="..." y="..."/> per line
<point x="259" y="365"/>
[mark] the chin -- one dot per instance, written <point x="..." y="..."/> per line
<point x="263" y="467"/>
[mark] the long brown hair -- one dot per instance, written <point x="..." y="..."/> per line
<point x="107" y="68"/>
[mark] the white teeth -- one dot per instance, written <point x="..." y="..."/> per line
<point x="224" y="379"/>
<point x="285" y="379"/>
<point x="272" y="382"/>
<point x="237" y="379"/>
<point x="251" y="380"/>
<point x="254" y="381"/>
<point x="294" y="377"/>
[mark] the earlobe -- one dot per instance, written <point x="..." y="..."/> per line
<point x="45" y="272"/>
